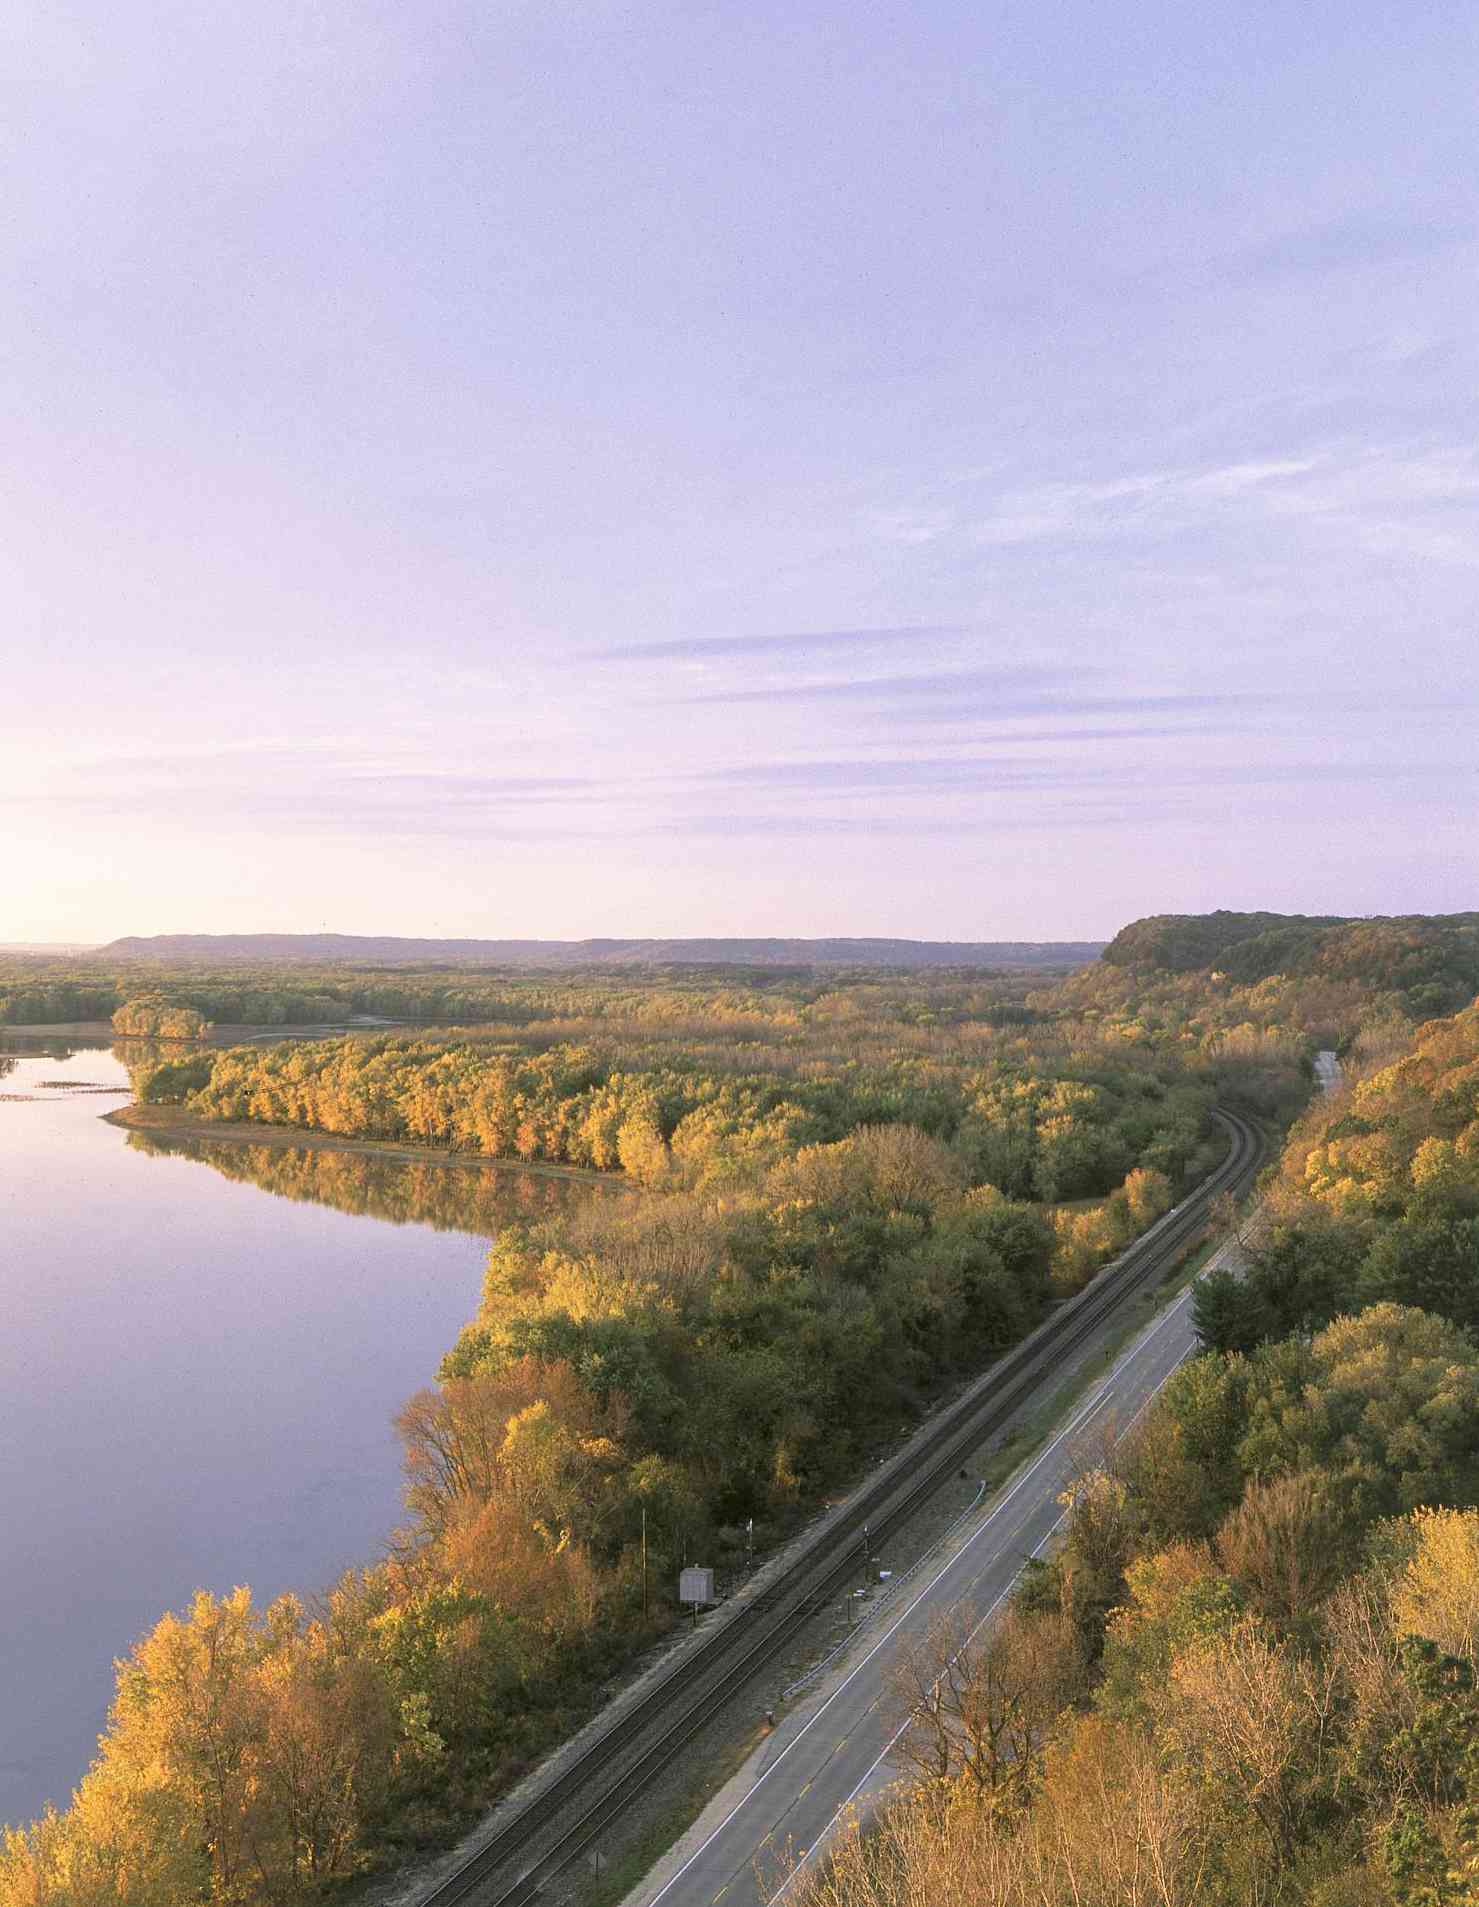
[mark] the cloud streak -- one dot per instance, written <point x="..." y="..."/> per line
<point x="1373" y="495"/>
<point x="739" y="826"/>
<point x="957" y="694"/>
<point x="1008" y="775"/>
<point x="1360" y="239"/>
<point x="1009" y="680"/>
<point x="704" y="648"/>
<point x="1134" y="504"/>
<point x="404" y="785"/>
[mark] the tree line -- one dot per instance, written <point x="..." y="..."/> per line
<point x="1067" y="1133"/>
<point x="152" y="1016"/>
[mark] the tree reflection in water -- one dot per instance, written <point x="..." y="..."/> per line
<point x="460" y="1197"/>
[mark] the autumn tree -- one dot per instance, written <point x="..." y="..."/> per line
<point x="1286" y="1544"/>
<point x="978" y="1700"/>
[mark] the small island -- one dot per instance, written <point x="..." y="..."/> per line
<point x="156" y="1017"/>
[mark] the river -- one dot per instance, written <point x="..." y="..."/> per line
<point x="201" y="1350"/>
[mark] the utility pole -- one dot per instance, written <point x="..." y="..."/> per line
<point x="850" y="1596"/>
<point x="644" y="1562"/>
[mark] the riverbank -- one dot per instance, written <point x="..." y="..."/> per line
<point x="242" y="1352"/>
<point x="229" y="1033"/>
<point x="177" y="1122"/>
<point x="62" y="1030"/>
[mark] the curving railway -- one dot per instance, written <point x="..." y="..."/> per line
<point x="559" y="1823"/>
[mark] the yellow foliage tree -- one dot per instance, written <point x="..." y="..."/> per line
<point x="1437" y="1594"/>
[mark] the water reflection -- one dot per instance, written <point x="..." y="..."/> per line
<point x="139" y="1055"/>
<point x="19" y="1046"/>
<point x="196" y="1383"/>
<point x="461" y="1197"/>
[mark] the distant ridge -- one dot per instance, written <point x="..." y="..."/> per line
<point x="391" y="950"/>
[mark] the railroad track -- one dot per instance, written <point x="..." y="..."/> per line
<point x="711" y="1674"/>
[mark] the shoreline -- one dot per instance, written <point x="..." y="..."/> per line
<point x="176" y="1122"/>
<point x="217" y="1036"/>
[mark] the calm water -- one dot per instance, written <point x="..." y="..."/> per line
<point x="197" y="1377"/>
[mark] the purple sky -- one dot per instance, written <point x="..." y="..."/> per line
<point x="956" y="470"/>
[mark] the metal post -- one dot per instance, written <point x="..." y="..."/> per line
<point x="644" y="1562"/>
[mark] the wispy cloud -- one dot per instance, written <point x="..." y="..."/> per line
<point x="327" y="813"/>
<point x="928" y="774"/>
<point x="1093" y="800"/>
<point x="1382" y="498"/>
<point x="303" y="795"/>
<point x="1129" y="504"/>
<point x="432" y="787"/>
<point x="1000" y="681"/>
<point x="1360" y="239"/>
<point x="947" y="776"/>
<point x="186" y="759"/>
<point x="1311" y="773"/>
<point x="1038" y="820"/>
<point x="984" y="733"/>
<point x="703" y="648"/>
<point x="961" y="694"/>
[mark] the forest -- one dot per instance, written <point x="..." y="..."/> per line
<point x="1430" y="961"/>
<point x="841" y="1192"/>
<point x="1249" y="1673"/>
<point x="154" y="1016"/>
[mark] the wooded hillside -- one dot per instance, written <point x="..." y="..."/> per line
<point x="1249" y="1675"/>
<point x="1430" y="961"/>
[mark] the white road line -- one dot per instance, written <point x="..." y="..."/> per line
<point x="1179" y="1305"/>
<point x="1120" y="1369"/>
<point x="1069" y="1430"/>
<point x="902" y="1616"/>
<point x="891" y="1743"/>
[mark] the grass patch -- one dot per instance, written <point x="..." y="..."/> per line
<point x="667" y="1826"/>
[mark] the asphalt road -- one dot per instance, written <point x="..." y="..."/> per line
<point x="830" y="1755"/>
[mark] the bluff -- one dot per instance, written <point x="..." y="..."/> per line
<point x="1430" y="960"/>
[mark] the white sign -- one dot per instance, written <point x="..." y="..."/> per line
<point x="696" y="1585"/>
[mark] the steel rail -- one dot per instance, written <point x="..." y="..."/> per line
<point x="766" y="1622"/>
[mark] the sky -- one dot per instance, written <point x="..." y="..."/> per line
<point x="521" y="468"/>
